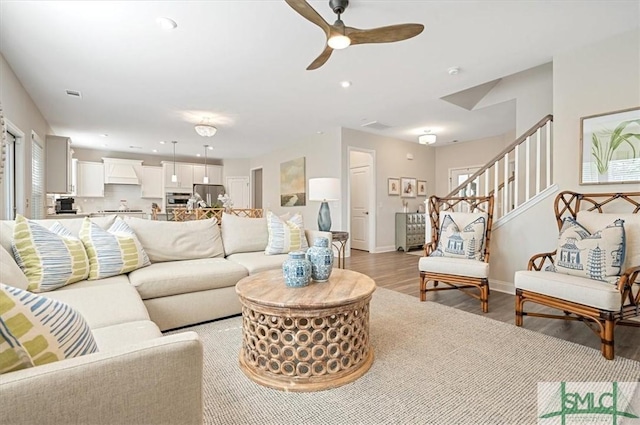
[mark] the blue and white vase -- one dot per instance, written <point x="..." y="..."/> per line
<point x="321" y="257"/>
<point x="296" y="270"/>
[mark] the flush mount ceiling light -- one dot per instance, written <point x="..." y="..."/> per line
<point x="206" y="129"/>
<point x="166" y="24"/>
<point x="427" y="139"/>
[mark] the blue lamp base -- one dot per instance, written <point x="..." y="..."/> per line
<point x="324" y="218"/>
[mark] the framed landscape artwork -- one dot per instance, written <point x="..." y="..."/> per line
<point x="394" y="186"/>
<point x="422" y="188"/>
<point x="610" y="147"/>
<point x="408" y="187"/>
<point x="293" y="183"/>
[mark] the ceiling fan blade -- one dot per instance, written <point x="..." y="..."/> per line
<point x="322" y="59"/>
<point x="383" y="34"/>
<point x="309" y="13"/>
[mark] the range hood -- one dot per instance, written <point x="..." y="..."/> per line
<point x="121" y="171"/>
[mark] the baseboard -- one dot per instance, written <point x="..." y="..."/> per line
<point x="502" y="286"/>
<point x="379" y="249"/>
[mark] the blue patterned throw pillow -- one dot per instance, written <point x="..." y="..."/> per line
<point x="468" y="242"/>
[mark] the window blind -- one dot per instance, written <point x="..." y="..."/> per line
<point x="37" y="179"/>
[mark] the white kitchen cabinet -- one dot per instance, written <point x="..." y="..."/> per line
<point x="90" y="179"/>
<point x="58" y="165"/>
<point x="184" y="172"/>
<point x="214" y="174"/>
<point x="152" y="182"/>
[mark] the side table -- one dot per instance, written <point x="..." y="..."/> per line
<point x="339" y="240"/>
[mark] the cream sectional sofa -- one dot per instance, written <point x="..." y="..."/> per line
<point x="140" y="376"/>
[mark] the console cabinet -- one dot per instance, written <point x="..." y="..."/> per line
<point x="410" y="230"/>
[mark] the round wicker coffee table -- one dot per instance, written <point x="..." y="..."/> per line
<point x="305" y="339"/>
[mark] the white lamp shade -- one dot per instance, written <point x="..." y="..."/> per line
<point x="324" y="189"/>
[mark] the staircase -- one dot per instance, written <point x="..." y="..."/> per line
<point x="518" y="175"/>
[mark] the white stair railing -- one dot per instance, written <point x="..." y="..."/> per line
<point x="515" y="175"/>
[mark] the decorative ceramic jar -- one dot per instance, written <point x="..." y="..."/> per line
<point x="321" y="257"/>
<point x="296" y="270"/>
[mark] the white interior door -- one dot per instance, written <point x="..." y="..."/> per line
<point x="238" y="190"/>
<point x="360" y="193"/>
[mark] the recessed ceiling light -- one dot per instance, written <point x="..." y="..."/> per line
<point x="210" y="148"/>
<point x="154" y="150"/>
<point x="345" y="84"/>
<point x="104" y="135"/>
<point x="163" y="142"/>
<point x="454" y="70"/>
<point x="198" y="154"/>
<point x="167" y="24"/>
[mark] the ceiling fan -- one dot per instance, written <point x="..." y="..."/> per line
<point x="340" y="36"/>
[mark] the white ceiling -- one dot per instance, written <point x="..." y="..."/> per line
<point x="242" y="63"/>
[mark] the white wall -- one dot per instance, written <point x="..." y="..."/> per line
<point x="21" y="111"/>
<point x="322" y="159"/>
<point x="390" y="161"/>
<point x="532" y="90"/>
<point x="235" y="168"/>
<point x="598" y="78"/>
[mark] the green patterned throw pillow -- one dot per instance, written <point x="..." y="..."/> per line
<point x="35" y="330"/>
<point x="285" y="235"/>
<point x="112" y="252"/>
<point x="50" y="258"/>
<point x="597" y="256"/>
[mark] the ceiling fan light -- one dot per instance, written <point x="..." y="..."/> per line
<point x="427" y="139"/>
<point x="338" y="42"/>
<point x="206" y="130"/>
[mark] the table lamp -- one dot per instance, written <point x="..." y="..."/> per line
<point x="324" y="189"/>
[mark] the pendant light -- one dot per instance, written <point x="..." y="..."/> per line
<point x="174" y="176"/>
<point x="205" y="179"/>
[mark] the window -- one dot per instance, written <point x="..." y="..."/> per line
<point x="8" y="178"/>
<point x="37" y="178"/>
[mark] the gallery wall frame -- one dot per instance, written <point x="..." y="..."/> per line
<point x="610" y="147"/>
<point x="422" y="188"/>
<point x="393" y="186"/>
<point x="408" y="187"/>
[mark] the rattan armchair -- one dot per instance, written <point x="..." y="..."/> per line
<point x="600" y="305"/>
<point x="457" y="273"/>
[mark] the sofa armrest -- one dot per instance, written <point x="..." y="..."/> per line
<point x="312" y="234"/>
<point x="537" y="262"/>
<point x="158" y="381"/>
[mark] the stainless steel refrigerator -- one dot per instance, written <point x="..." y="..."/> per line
<point x="209" y="193"/>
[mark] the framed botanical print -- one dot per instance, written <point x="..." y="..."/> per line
<point x="422" y="188"/>
<point x="408" y="187"/>
<point x="393" y="186"/>
<point x="610" y="147"/>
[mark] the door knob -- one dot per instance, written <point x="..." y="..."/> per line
<point x="366" y="213"/>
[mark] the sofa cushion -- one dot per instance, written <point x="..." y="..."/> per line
<point x="116" y="336"/>
<point x="178" y="240"/>
<point x="121" y="279"/>
<point x="114" y="251"/>
<point x="172" y="278"/>
<point x="10" y="272"/>
<point x="593" y="221"/>
<point x="454" y="266"/>
<point x="43" y="329"/>
<point x="596" y="256"/>
<point x="285" y="235"/>
<point x="466" y="243"/>
<point x="49" y="258"/>
<point x="256" y="262"/>
<point x="579" y="290"/>
<point x="104" y="305"/>
<point x="243" y="234"/>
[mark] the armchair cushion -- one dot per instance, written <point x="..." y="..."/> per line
<point x="596" y="256"/>
<point x="467" y="243"/>
<point x="576" y="289"/>
<point x="454" y="266"/>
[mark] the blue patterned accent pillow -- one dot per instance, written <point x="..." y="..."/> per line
<point x="35" y="330"/>
<point x="50" y="258"/>
<point x="597" y="256"/>
<point x="114" y="251"/>
<point x="467" y="243"/>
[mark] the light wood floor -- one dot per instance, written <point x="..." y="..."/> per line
<point x="399" y="271"/>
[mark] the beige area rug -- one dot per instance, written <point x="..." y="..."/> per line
<point x="433" y="365"/>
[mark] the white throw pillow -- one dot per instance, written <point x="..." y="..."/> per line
<point x="467" y="242"/>
<point x="285" y="235"/>
<point x="243" y="234"/>
<point x="597" y="256"/>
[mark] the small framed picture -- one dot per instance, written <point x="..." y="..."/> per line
<point x="422" y="188"/>
<point x="408" y="187"/>
<point x="394" y="186"/>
